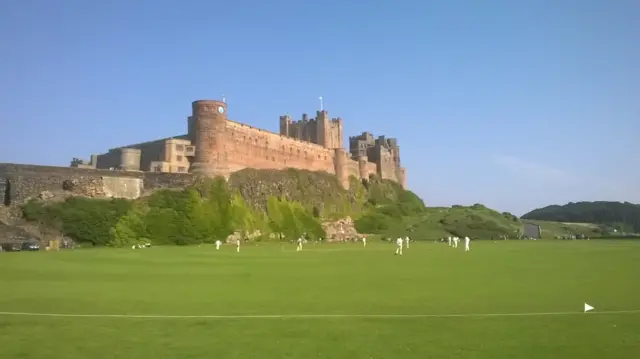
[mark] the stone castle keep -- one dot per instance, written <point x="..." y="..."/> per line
<point x="217" y="146"/>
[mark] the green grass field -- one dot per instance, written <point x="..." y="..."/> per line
<point x="443" y="293"/>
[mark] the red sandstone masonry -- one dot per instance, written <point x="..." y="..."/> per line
<point x="224" y="147"/>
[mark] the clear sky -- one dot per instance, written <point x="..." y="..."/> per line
<point x="516" y="104"/>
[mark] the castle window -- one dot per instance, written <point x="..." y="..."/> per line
<point x="189" y="148"/>
<point x="179" y="148"/>
<point x="179" y="158"/>
<point x="182" y="169"/>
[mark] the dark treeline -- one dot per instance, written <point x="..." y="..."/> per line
<point x="622" y="216"/>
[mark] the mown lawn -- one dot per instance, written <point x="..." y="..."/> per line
<point x="507" y="277"/>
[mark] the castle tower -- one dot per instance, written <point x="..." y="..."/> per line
<point x="209" y="124"/>
<point x="130" y="159"/>
<point x="362" y="167"/>
<point x="340" y="164"/>
<point x="285" y="125"/>
<point x="322" y="128"/>
<point x="402" y="177"/>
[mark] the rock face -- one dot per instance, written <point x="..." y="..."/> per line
<point x="340" y="230"/>
<point x="318" y="191"/>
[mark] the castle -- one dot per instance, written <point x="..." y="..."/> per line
<point x="217" y="146"/>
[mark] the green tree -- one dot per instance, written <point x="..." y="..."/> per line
<point x="130" y="228"/>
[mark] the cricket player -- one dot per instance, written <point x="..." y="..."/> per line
<point x="449" y="240"/>
<point x="399" y="242"/>
<point x="466" y="244"/>
<point x="238" y="246"/>
<point x="455" y="241"/>
<point x="364" y="241"/>
<point x="218" y="244"/>
<point x="406" y="240"/>
<point x="299" y="247"/>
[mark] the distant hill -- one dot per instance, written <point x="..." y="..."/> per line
<point x="622" y="216"/>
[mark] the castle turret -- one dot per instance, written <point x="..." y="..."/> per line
<point x="130" y="159"/>
<point x="340" y="164"/>
<point x="285" y="125"/>
<point x="209" y="123"/>
<point x="362" y="167"/>
<point x="402" y="177"/>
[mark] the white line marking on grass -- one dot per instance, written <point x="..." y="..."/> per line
<point x="314" y="316"/>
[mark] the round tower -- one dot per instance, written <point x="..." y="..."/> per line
<point x="209" y="123"/>
<point x="130" y="159"/>
<point x="340" y="164"/>
<point x="362" y="167"/>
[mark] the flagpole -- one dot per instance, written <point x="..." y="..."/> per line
<point x="321" y="104"/>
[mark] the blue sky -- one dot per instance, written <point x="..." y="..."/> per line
<point x="514" y="104"/>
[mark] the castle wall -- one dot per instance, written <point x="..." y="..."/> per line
<point x="365" y="168"/>
<point x="353" y="168"/>
<point x="304" y="130"/>
<point x="246" y="146"/>
<point x="371" y="169"/>
<point x="29" y="181"/>
<point x="386" y="166"/>
<point x="121" y="187"/>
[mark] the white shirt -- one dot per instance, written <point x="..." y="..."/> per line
<point x="299" y="240"/>
<point x="399" y="241"/>
<point x="407" y="239"/>
<point x="466" y="240"/>
<point x="218" y="243"/>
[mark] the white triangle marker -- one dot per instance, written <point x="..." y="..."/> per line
<point x="587" y="307"/>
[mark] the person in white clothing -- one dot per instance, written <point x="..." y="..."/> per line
<point x="238" y="245"/>
<point x="299" y="247"/>
<point x="364" y="241"/>
<point x="455" y="242"/>
<point x="399" y="242"/>
<point x="406" y="240"/>
<point x="218" y="244"/>
<point x="466" y="244"/>
<point x="449" y="240"/>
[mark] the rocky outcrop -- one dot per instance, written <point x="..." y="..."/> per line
<point x="238" y="235"/>
<point x="341" y="230"/>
